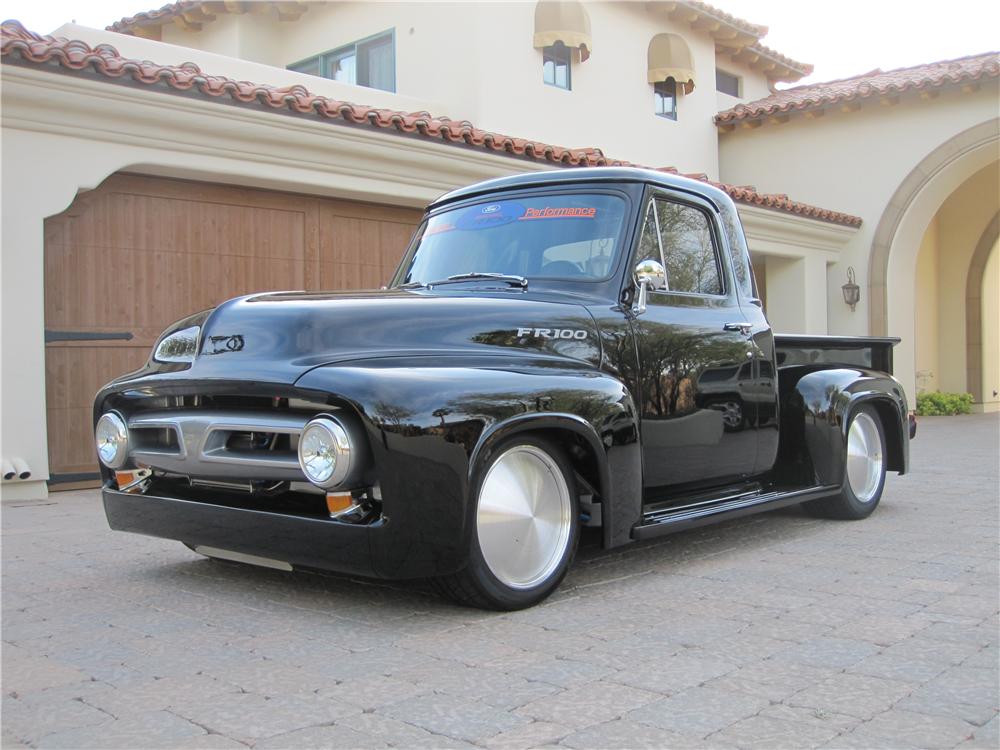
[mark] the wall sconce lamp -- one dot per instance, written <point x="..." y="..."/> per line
<point x="852" y="292"/>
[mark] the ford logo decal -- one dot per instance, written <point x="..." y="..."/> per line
<point x="491" y="209"/>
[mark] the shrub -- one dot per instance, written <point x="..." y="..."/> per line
<point x="937" y="404"/>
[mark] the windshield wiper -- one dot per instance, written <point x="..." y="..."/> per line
<point x="507" y="278"/>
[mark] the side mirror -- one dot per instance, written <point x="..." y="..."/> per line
<point x="649" y="274"/>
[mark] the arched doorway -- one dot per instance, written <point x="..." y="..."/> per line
<point x="922" y="253"/>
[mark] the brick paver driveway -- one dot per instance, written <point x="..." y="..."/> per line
<point x="776" y="631"/>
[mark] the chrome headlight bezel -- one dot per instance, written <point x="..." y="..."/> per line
<point x="178" y="347"/>
<point x="326" y="453"/>
<point x="111" y="438"/>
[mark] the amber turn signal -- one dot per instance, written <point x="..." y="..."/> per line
<point x="128" y="481"/>
<point x="337" y="502"/>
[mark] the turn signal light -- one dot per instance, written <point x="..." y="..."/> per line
<point x="338" y="502"/>
<point x="131" y="481"/>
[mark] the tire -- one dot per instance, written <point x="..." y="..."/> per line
<point x="864" y="470"/>
<point x="525" y="528"/>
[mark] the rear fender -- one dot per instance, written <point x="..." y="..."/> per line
<point x="816" y="406"/>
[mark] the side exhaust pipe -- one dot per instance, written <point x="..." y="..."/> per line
<point x="8" y="470"/>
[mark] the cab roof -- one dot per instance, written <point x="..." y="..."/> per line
<point x="588" y="175"/>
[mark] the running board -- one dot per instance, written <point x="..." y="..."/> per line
<point x="689" y="517"/>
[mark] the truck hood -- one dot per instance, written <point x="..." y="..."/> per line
<point x="278" y="337"/>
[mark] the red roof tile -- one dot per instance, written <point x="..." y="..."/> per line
<point x="729" y="20"/>
<point x="877" y="83"/>
<point x="154" y="17"/>
<point x="22" y="47"/>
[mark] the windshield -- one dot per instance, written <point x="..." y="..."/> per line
<point x="565" y="237"/>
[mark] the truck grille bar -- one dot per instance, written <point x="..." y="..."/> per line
<point x="220" y="444"/>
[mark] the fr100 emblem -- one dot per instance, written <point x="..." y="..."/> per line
<point x="553" y="333"/>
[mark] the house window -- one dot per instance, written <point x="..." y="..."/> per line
<point x="370" y="62"/>
<point x="556" y="66"/>
<point x="665" y="99"/>
<point x="727" y="83"/>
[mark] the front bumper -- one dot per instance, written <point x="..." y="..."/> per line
<point x="300" y="541"/>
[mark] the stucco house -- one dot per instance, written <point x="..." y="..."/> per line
<point x="208" y="149"/>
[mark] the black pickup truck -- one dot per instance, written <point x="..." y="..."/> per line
<point x="556" y="350"/>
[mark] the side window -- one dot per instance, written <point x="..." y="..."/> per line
<point x="689" y="251"/>
<point x="740" y="254"/>
<point x="649" y="243"/>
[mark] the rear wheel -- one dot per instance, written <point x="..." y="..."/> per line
<point x="526" y="527"/>
<point x="864" y="470"/>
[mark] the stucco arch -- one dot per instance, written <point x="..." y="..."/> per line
<point x="974" y="308"/>
<point x="897" y="238"/>
<point x="915" y="201"/>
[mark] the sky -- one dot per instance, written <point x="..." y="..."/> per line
<point x="839" y="37"/>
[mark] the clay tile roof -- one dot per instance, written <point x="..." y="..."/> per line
<point x="737" y="23"/>
<point x="801" y="68"/>
<point x="25" y="48"/>
<point x="876" y="83"/>
<point x="155" y="17"/>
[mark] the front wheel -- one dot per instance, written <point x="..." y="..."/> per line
<point x="864" y="470"/>
<point x="526" y="527"/>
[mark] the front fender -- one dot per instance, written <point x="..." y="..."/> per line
<point x="816" y="404"/>
<point x="429" y="419"/>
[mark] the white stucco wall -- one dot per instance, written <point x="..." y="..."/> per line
<point x="854" y="162"/>
<point x="478" y="61"/>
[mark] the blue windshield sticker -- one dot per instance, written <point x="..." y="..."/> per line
<point x="490" y="215"/>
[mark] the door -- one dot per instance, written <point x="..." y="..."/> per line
<point x="695" y="357"/>
<point x="137" y="253"/>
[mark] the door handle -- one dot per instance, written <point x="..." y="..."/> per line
<point x="744" y="328"/>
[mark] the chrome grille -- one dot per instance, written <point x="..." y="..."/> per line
<point x="223" y="444"/>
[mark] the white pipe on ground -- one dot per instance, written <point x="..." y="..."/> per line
<point x="8" y="470"/>
<point x="21" y="467"/>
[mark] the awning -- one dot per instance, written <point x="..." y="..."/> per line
<point x="670" y="57"/>
<point x="565" y="22"/>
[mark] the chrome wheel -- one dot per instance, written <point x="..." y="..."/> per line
<point x="864" y="457"/>
<point x="732" y="414"/>
<point x="524" y="519"/>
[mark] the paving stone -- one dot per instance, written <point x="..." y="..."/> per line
<point x="535" y="734"/>
<point x="775" y="734"/>
<point x="829" y="652"/>
<point x="561" y="672"/>
<point x="852" y="694"/>
<point x="626" y="734"/>
<point x="453" y="717"/>
<point x="248" y="717"/>
<point x="699" y="711"/>
<point x="588" y="704"/>
<point x="862" y="740"/>
<point x="399" y="733"/>
<point x="373" y="692"/>
<point x="920" y="729"/>
<point x="31" y="722"/>
<point x="677" y="673"/>
<point x="159" y="729"/>
<point x="774" y="680"/>
<point x="326" y="736"/>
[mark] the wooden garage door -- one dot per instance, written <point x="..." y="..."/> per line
<point x="127" y="259"/>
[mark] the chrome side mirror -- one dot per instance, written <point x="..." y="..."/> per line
<point x="649" y="274"/>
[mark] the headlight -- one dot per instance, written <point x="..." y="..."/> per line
<point x="325" y="452"/>
<point x="179" y="346"/>
<point x="111" y="436"/>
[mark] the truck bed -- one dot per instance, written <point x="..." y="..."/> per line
<point x="872" y="352"/>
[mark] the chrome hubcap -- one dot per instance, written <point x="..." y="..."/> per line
<point x="864" y="457"/>
<point x="524" y="517"/>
